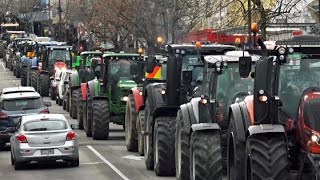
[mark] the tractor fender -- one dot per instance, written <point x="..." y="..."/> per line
<point x="74" y="79"/>
<point x="205" y="126"/>
<point x="137" y="98"/>
<point x="186" y="116"/>
<point x="93" y="86"/>
<point x="83" y="91"/>
<point x="266" y="128"/>
<point x="141" y="107"/>
<point x="236" y="112"/>
<point x="100" y="98"/>
<point x="169" y="111"/>
<point x="194" y="104"/>
<point x="153" y="93"/>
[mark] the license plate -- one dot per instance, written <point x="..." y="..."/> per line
<point x="47" y="151"/>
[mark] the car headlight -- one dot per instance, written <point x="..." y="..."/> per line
<point x="124" y="98"/>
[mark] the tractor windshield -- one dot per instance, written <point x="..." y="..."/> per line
<point x="58" y="54"/>
<point x="299" y="73"/>
<point x="123" y="69"/>
<point x="231" y="87"/>
<point x="192" y="63"/>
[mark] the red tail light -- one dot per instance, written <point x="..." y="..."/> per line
<point x="71" y="136"/>
<point x="3" y="115"/>
<point x="21" y="138"/>
<point x="45" y="111"/>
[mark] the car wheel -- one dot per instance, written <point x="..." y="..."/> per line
<point x="75" y="163"/>
<point x="12" y="161"/>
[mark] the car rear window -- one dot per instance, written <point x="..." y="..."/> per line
<point x="45" y="125"/>
<point x="22" y="104"/>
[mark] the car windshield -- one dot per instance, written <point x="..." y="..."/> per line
<point x="299" y="73"/>
<point x="58" y="54"/>
<point x="45" y="125"/>
<point x="22" y="104"/>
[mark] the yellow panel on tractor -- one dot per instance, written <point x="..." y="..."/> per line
<point x="156" y="74"/>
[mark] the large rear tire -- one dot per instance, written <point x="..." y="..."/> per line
<point x="24" y="77"/>
<point x="18" y="74"/>
<point x="100" y="123"/>
<point x="266" y="157"/>
<point x="163" y="145"/>
<point x="140" y="127"/>
<point x="130" y="125"/>
<point x="182" y="148"/>
<point x="205" y="155"/>
<point x="88" y="128"/>
<point x="80" y="113"/>
<point x="148" y="147"/>
<point x="235" y="153"/>
<point x="74" y="103"/>
<point x="44" y="85"/>
<point x="2" y="50"/>
<point x="34" y="75"/>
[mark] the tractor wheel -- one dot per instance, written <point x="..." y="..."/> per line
<point x="59" y="100"/>
<point x="11" y="65"/>
<point x="148" y="147"/>
<point x="64" y="107"/>
<point x="235" y="153"/>
<point x="130" y="125"/>
<point x="205" y="155"/>
<point x="140" y="128"/>
<point x="24" y="77"/>
<point x="88" y="128"/>
<point x="18" y="74"/>
<point x="182" y="148"/>
<point x="80" y="114"/>
<point x="44" y="84"/>
<point x="163" y="145"/>
<point x="74" y="103"/>
<point x="266" y="157"/>
<point x="34" y="79"/>
<point x="100" y="123"/>
<point x="14" y="72"/>
<point x="2" y="50"/>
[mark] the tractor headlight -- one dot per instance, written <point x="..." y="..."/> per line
<point x="282" y="50"/>
<point x="163" y="92"/>
<point x="124" y="98"/>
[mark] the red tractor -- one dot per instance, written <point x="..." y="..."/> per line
<point x="275" y="134"/>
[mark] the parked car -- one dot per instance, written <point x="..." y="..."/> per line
<point x="19" y="89"/>
<point x="54" y="83"/>
<point x="61" y="87"/>
<point x="14" y="106"/>
<point x="43" y="137"/>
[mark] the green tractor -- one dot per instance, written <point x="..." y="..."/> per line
<point x="106" y="96"/>
<point x="84" y="71"/>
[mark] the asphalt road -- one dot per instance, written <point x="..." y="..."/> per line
<point x="105" y="160"/>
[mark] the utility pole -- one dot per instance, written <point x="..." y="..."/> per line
<point x="50" y="20"/>
<point x="60" y="19"/>
<point x="249" y="23"/>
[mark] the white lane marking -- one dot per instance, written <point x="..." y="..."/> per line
<point x="108" y="163"/>
<point x="92" y="163"/>
<point x="133" y="157"/>
<point x="4" y="68"/>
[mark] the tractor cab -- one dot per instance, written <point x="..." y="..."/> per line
<point x="121" y="72"/>
<point x="55" y="58"/>
<point x="89" y="65"/>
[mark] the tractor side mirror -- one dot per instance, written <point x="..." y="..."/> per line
<point x="66" y="82"/>
<point x="245" y="66"/>
<point x="151" y="63"/>
<point x="186" y="76"/>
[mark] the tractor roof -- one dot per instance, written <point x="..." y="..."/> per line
<point x="121" y="55"/>
<point x="91" y="53"/>
<point x="230" y="56"/>
<point x="59" y="47"/>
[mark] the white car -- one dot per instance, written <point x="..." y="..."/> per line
<point x="61" y="86"/>
<point x="54" y="84"/>
<point x="43" y="137"/>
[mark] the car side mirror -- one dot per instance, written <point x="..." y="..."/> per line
<point x="47" y="104"/>
<point x="186" y="76"/>
<point x="74" y="126"/>
<point x="245" y="66"/>
<point x="151" y="63"/>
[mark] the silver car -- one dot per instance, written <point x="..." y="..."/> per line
<point x="41" y="138"/>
